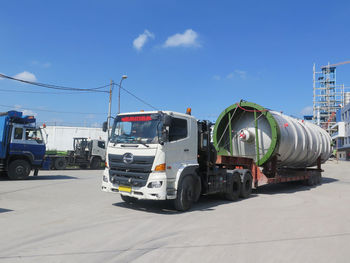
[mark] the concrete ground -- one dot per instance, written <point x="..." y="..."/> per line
<point x="62" y="216"/>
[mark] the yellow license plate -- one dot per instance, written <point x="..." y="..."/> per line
<point x="124" y="189"/>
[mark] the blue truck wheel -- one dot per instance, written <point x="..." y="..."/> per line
<point x="19" y="170"/>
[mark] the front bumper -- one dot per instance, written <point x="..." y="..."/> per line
<point x="144" y="192"/>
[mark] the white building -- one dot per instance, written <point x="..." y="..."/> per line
<point x="342" y="137"/>
<point x="60" y="138"/>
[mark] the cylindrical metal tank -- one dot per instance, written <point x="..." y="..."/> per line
<point x="249" y="130"/>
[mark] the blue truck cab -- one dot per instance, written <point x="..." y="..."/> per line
<point x="22" y="147"/>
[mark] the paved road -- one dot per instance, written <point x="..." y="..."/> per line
<point x="62" y="216"/>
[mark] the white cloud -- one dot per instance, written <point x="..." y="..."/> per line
<point x="308" y="110"/>
<point x="188" y="39"/>
<point x="241" y="73"/>
<point x="41" y="64"/>
<point x="25" y="75"/>
<point x="30" y="113"/>
<point x="46" y="65"/>
<point x="230" y="76"/>
<point x="217" y="77"/>
<point x="141" y="40"/>
<point x="25" y="112"/>
<point x="237" y="73"/>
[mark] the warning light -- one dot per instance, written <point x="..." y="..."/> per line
<point x="188" y="111"/>
<point x="44" y="125"/>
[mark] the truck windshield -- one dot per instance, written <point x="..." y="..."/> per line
<point x="34" y="134"/>
<point x="136" y="129"/>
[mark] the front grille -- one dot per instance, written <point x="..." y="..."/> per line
<point x="133" y="174"/>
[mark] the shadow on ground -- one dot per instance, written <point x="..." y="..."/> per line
<point x="51" y="177"/>
<point x="205" y="203"/>
<point x="3" y="210"/>
<point x="290" y="187"/>
<point x="208" y="203"/>
<point x="41" y="177"/>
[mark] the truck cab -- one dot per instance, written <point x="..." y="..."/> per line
<point x="22" y="147"/>
<point x="148" y="153"/>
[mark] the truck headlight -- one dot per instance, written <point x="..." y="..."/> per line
<point x="155" y="184"/>
<point x="105" y="179"/>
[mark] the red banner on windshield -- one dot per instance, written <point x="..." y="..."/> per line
<point x="136" y="118"/>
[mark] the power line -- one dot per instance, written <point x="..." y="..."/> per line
<point x="146" y="103"/>
<point x="64" y="112"/>
<point x="39" y="92"/>
<point x="50" y="86"/>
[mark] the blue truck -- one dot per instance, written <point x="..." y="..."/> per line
<point x="22" y="147"/>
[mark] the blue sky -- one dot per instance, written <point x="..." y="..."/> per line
<point x="177" y="54"/>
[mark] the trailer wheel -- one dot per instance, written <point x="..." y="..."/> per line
<point x="319" y="179"/>
<point x="234" y="187"/>
<point x="186" y="194"/>
<point x="95" y="163"/>
<point x="60" y="163"/>
<point x="311" y="181"/>
<point x="246" y="187"/>
<point x="19" y="170"/>
<point x="128" y="199"/>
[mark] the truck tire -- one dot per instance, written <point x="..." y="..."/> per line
<point x="197" y="187"/>
<point x="60" y="163"/>
<point x="311" y="181"/>
<point x="319" y="179"/>
<point x="234" y="186"/>
<point x="19" y="170"/>
<point x="95" y="163"/>
<point x="246" y="187"/>
<point x="128" y="199"/>
<point x="185" y="194"/>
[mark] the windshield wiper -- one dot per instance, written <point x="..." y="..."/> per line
<point x="144" y="144"/>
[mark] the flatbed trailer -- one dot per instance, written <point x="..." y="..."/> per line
<point x="311" y="176"/>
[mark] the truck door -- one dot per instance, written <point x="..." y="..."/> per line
<point x="17" y="141"/>
<point x="181" y="149"/>
<point x="34" y="144"/>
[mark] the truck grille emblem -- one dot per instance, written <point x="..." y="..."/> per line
<point x="128" y="158"/>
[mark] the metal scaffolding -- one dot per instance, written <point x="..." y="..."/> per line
<point x="328" y="97"/>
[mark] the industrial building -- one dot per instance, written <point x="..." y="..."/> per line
<point x="60" y="138"/>
<point x="342" y="136"/>
<point x="331" y="107"/>
<point x="328" y="96"/>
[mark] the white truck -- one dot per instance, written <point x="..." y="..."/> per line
<point x="168" y="155"/>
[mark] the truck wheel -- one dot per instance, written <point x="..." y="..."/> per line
<point x="128" y="199"/>
<point x="60" y="164"/>
<point x="185" y="194"/>
<point x="95" y="163"/>
<point x="234" y="187"/>
<point x="311" y="181"/>
<point x="246" y="187"/>
<point x="318" y="179"/>
<point x="198" y="188"/>
<point x="19" y="170"/>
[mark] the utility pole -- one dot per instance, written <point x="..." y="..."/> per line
<point x="109" y="108"/>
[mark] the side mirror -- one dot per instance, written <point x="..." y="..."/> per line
<point x="164" y="136"/>
<point x="167" y="120"/>
<point x="104" y="126"/>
